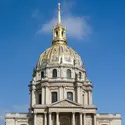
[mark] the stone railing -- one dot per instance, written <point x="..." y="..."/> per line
<point x="16" y="115"/>
<point x="107" y="115"/>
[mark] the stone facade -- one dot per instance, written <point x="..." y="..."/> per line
<point x="60" y="92"/>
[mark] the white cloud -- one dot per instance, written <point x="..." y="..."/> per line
<point x="77" y="26"/>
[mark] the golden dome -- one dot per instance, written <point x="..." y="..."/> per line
<point x="59" y="54"/>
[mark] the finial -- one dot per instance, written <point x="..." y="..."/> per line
<point x="59" y="33"/>
<point x="59" y="14"/>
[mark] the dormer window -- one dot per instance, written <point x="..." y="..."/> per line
<point x="80" y="75"/>
<point x="42" y="74"/>
<point x="54" y="73"/>
<point x="68" y="74"/>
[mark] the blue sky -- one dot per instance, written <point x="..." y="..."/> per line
<point x="96" y="30"/>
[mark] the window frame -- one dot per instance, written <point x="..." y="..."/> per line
<point x="54" y="71"/>
<point x="39" y="98"/>
<point x="54" y="100"/>
<point x="80" y="75"/>
<point x="42" y="74"/>
<point x="68" y="74"/>
<point x="69" y="92"/>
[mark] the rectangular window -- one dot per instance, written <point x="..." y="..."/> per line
<point x="39" y="99"/>
<point x="70" y="96"/>
<point x="54" y="97"/>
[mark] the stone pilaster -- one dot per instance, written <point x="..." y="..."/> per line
<point x="47" y="95"/>
<point x="64" y="93"/>
<point x="57" y="118"/>
<point x="43" y="95"/>
<point x="90" y="97"/>
<point x="60" y="93"/>
<point x="84" y="118"/>
<point x="73" y="118"/>
<point x="50" y="119"/>
<point x="16" y="122"/>
<point x="45" y="119"/>
<point x="95" y="119"/>
<point x="78" y="94"/>
<point x="80" y="118"/>
<point x="33" y="95"/>
<point x="34" y="119"/>
<point x="86" y="98"/>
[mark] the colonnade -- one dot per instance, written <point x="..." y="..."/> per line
<point x="82" y="118"/>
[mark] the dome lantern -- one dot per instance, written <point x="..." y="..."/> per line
<point x="59" y="32"/>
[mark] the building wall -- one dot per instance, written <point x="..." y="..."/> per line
<point x="108" y="119"/>
<point x="16" y="119"/>
<point x="39" y="119"/>
<point x="101" y="119"/>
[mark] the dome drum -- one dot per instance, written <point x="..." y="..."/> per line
<point x="60" y="73"/>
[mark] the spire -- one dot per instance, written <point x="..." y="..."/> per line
<point x="59" y="14"/>
<point x="59" y="33"/>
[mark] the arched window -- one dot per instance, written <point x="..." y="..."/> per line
<point x="62" y="33"/>
<point x="54" y="97"/>
<point x="68" y="73"/>
<point x="70" y="96"/>
<point x="80" y="75"/>
<point x="56" y="33"/>
<point x="54" y="73"/>
<point x="42" y="74"/>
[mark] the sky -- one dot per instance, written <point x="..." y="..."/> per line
<point x="95" y="30"/>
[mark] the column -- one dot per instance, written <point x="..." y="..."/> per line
<point x="30" y="98"/>
<point x="94" y="119"/>
<point x="84" y="119"/>
<point x="86" y="98"/>
<point x="50" y="119"/>
<point x="64" y="93"/>
<point x="80" y="118"/>
<point x="45" y="119"/>
<point x="47" y="95"/>
<point x="73" y="118"/>
<point x="90" y="98"/>
<point x="15" y="121"/>
<point x="43" y="95"/>
<point x="33" y="95"/>
<point x="34" y="118"/>
<point x="78" y="94"/>
<point x="60" y="93"/>
<point x="57" y="118"/>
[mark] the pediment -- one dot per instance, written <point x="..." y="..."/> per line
<point x="65" y="103"/>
